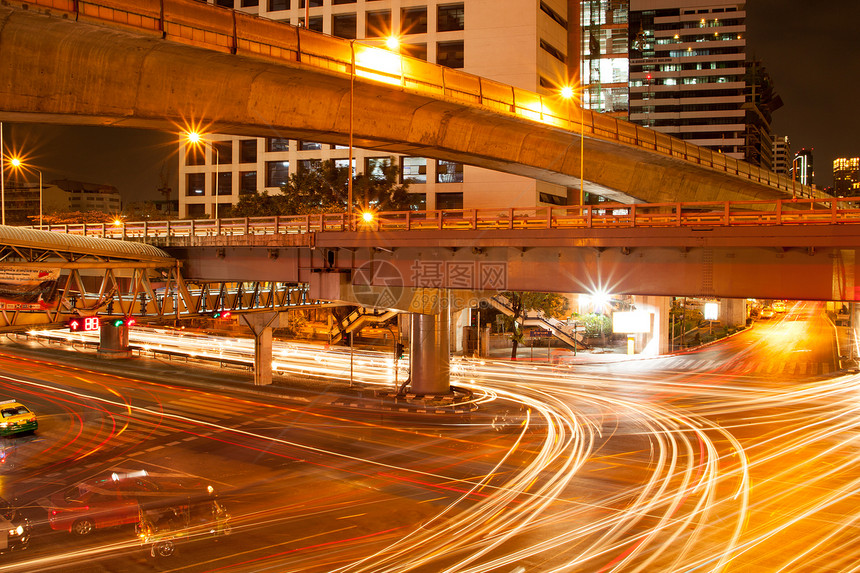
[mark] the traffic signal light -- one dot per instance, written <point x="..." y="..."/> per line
<point x="398" y="350"/>
<point x="127" y="321"/>
<point x="84" y="324"/>
<point x="223" y="314"/>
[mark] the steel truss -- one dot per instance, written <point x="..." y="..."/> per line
<point x="113" y="289"/>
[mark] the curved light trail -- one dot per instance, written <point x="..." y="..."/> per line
<point x="613" y="468"/>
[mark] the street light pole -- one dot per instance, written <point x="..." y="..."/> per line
<point x="351" y="112"/>
<point x="581" y="151"/>
<point x="2" y="177"/>
<point x="217" y="161"/>
<point x="40" y="200"/>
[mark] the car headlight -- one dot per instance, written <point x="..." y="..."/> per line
<point x="4" y="424"/>
<point x="17" y="531"/>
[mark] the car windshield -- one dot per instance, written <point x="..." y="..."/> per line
<point x="14" y="411"/>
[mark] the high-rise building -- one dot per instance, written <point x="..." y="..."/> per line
<point x="846" y="176"/>
<point x="604" y="55"/>
<point x="518" y="42"/>
<point x="802" y="167"/>
<point x="682" y="69"/>
<point x="782" y="155"/>
<point x="687" y="71"/>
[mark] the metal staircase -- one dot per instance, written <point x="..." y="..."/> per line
<point x="556" y="327"/>
<point x="357" y="319"/>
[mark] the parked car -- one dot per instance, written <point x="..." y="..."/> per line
<point x="110" y="500"/>
<point x="16" y="418"/>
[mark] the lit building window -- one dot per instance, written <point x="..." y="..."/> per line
<point x="413" y="169"/>
<point x="449" y="172"/>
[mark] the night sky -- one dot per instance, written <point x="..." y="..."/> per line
<point x="812" y="54"/>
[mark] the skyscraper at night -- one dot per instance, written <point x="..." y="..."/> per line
<point x="802" y="167"/>
<point x="846" y="176"/>
<point x="682" y="69"/>
<point x="782" y="155"/>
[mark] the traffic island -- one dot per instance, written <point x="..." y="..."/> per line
<point x="458" y="402"/>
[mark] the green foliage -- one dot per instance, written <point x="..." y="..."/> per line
<point x="551" y="304"/>
<point x="595" y="324"/>
<point x="325" y="189"/>
<point x="258" y="204"/>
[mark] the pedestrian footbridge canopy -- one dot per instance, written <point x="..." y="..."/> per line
<point x="22" y="240"/>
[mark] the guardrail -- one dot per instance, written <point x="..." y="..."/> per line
<point x="226" y="30"/>
<point x="836" y="211"/>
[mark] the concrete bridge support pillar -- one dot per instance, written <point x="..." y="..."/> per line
<point x="261" y="326"/>
<point x="113" y="341"/>
<point x="733" y="312"/>
<point x="657" y="341"/>
<point x="429" y="354"/>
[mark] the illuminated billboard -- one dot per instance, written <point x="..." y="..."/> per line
<point x="631" y="322"/>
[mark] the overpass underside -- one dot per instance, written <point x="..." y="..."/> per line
<point x="407" y="270"/>
<point x="94" y="71"/>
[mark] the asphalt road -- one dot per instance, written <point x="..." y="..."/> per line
<point x="739" y="457"/>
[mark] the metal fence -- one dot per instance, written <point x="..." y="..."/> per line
<point x="834" y="211"/>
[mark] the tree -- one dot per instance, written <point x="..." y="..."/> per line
<point x="325" y="189"/>
<point x="551" y="304"/>
<point x="258" y="204"/>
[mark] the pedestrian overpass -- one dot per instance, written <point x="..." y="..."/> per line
<point x="176" y="64"/>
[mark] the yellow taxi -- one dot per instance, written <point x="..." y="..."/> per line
<point x="16" y="418"/>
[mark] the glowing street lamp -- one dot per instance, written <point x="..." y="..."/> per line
<point x="2" y="180"/>
<point x="392" y="43"/>
<point x="16" y="163"/>
<point x="195" y="138"/>
<point x="568" y="93"/>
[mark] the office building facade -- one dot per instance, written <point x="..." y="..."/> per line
<point x="687" y="71"/>
<point x="846" y="176"/>
<point x="782" y="155"/>
<point x="518" y="42"/>
<point x="682" y="69"/>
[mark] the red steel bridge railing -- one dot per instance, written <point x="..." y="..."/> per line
<point x="836" y="211"/>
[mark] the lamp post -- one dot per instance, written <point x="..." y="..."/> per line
<point x="195" y="138"/>
<point x="568" y="93"/>
<point x="350" y="223"/>
<point x="2" y="179"/>
<point x="393" y="44"/>
<point x="16" y="163"/>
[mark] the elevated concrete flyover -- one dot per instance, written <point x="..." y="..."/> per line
<point x="803" y="249"/>
<point x="165" y="64"/>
